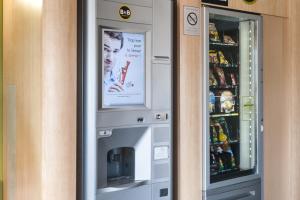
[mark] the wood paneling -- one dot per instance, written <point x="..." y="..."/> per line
<point x="188" y="111"/>
<point x="294" y="96"/>
<point x="22" y="68"/>
<point x="40" y="60"/>
<point x="276" y="88"/>
<point x="59" y="99"/>
<point x="268" y="7"/>
<point x="1" y="99"/>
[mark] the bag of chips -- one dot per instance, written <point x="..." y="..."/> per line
<point x="223" y="60"/>
<point x="228" y="40"/>
<point x="213" y="33"/>
<point x="227" y="101"/>
<point x="221" y="76"/>
<point x="212" y="79"/>
<point x="212" y="102"/>
<point x="213" y="57"/>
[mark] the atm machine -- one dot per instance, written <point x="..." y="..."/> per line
<point x="126" y="99"/>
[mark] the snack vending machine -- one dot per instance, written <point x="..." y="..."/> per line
<point x="233" y="121"/>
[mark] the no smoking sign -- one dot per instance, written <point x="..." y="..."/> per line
<point x="191" y="20"/>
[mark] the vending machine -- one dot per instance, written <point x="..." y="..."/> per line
<point x="233" y="113"/>
<point x="126" y="99"/>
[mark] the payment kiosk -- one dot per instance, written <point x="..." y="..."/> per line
<point x="127" y="100"/>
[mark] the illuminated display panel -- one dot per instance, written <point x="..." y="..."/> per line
<point x="123" y="69"/>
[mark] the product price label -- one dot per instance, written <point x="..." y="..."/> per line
<point x="161" y="152"/>
<point x="248" y="108"/>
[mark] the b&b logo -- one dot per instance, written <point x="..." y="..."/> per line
<point x="125" y="12"/>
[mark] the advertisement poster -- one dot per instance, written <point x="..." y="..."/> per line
<point x="123" y="68"/>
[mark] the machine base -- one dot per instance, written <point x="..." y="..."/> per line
<point x="250" y="190"/>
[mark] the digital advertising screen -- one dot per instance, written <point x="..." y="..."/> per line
<point x="123" y="68"/>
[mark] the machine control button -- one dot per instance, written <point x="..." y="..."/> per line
<point x="164" y="192"/>
<point x="140" y="119"/>
<point x="161" y="116"/>
<point x="104" y="133"/>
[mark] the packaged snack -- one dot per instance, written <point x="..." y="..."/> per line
<point x="221" y="76"/>
<point x="224" y="126"/>
<point x="213" y="57"/>
<point x="227" y="102"/>
<point x="212" y="79"/>
<point x="222" y="136"/>
<point x="213" y="33"/>
<point x="228" y="40"/>
<point x="212" y="102"/>
<point x="233" y="79"/>
<point x="228" y="149"/>
<point x="213" y="133"/>
<point x="222" y="58"/>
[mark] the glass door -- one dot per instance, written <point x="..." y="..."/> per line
<point x="233" y="92"/>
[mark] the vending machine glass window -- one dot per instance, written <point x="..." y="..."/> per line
<point x="232" y="87"/>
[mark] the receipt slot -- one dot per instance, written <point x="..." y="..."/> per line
<point x="125" y="101"/>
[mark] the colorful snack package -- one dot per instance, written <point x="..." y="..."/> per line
<point x="213" y="33"/>
<point x="228" y="40"/>
<point x="212" y="102"/>
<point x="213" y="57"/>
<point x="233" y="79"/>
<point x="221" y="76"/>
<point x="212" y="79"/>
<point x="227" y="102"/>
<point x="222" y="58"/>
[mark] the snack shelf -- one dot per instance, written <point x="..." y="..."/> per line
<point x="228" y="142"/>
<point x="223" y="44"/>
<point x="224" y="115"/>
<point x="231" y="66"/>
<point x="223" y="87"/>
<point x="225" y="171"/>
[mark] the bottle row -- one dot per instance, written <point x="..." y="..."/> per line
<point x="214" y="35"/>
<point x="218" y="77"/>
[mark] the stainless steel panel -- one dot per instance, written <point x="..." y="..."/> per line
<point x="136" y="193"/>
<point x="244" y="191"/>
<point x="110" y="10"/>
<point x="147" y="3"/>
<point x="161" y="84"/>
<point x="162" y="28"/>
<point x="90" y="103"/>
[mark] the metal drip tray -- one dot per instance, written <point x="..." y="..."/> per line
<point x="112" y="182"/>
<point x="122" y="184"/>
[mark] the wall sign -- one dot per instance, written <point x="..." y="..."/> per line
<point x="191" y="20"/>
<point x="217" y="2"/>
<point x="125" y="12"/>
<point x="250" y="1"/>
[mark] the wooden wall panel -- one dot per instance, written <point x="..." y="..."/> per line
<point x="188" y="111"/>
<point x="294" y="96"/>
<point x="268" y="7"/>
<point x="276" y="87"/>
<point x="1" y="99"/>
<point x="40" y="60"/>
<point x="22" y="68"/>
<point x="59" y="100"/>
